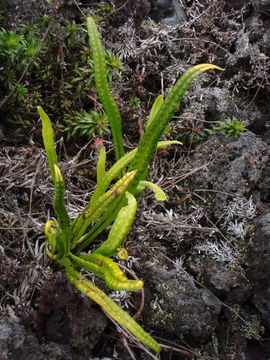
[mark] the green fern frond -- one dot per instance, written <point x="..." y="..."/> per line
<point x="154" y="110"/>
<point x="120" y="227"/>
<point x="121" y="164"/>
<point x="61" y="212"/>
<point x="109" y="307"/>
<point x="48" y="140"/>
<point x="96" y="209"/>
<point x="101" y="173"/>
<point x="107" y="269"/>
<point x="159" y="193"/>
<point x="103" y="89"/>
<point x="158" y="124"/>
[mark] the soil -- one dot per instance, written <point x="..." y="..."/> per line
<point x="204" y="254"/>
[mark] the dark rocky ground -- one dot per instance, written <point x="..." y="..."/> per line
<point x="204" y="255"/>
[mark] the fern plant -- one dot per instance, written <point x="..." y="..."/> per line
<point x="90" y="124"/>
<point x="229" y="127"/>
<point x="110" y="204"/>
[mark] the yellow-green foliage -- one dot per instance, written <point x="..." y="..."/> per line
<point x="115" y="205"/>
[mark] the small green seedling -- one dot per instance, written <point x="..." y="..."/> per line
<point x="229" y="127"/>
<point x="110" y="203"/>
<point x="134" y="102"/>
<point x="90" y="124"/>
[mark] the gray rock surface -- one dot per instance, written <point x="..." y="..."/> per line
<point x="178" y="15"/>
<point x="234" y="166"/>
<point x="226" y="281"/>
<point x="178" y="306"/>
<point x="258" y="260"/>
